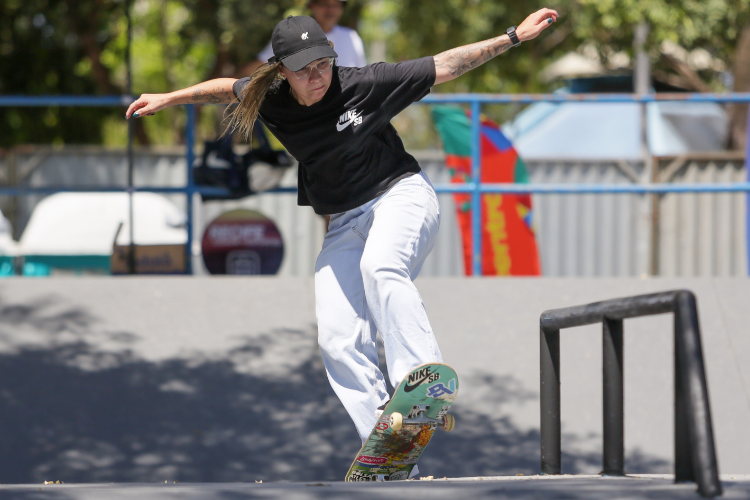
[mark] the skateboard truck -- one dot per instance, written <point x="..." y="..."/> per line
<point x="417" y="417"/>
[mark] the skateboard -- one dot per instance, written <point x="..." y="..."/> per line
<point x="419" y="405"/>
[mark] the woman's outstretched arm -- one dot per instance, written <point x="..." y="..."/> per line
<point x="216" y="91"/>
<point x="453" y="63"/>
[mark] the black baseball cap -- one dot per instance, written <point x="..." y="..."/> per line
<point x="299" y="40"/>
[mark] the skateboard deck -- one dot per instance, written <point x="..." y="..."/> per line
<point x="419" y="406"/>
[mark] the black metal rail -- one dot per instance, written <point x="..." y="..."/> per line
<point x="695" y="454"/>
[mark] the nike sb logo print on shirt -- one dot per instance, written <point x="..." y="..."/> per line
<point x="349" y="118"/>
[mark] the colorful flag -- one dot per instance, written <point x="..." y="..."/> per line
<point x="508" y="242"/>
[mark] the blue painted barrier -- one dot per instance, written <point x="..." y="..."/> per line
<point x="747" y="201"/>
<point x="23" y="101"/>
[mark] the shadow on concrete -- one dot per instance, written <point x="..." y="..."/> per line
<point x="75" y="411"/>
<point x="487" y="444"/>
<point x="492" y="445"/>
<point x="140" y="421"/>
<point x="72" y="411"/>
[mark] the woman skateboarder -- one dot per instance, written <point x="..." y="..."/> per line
<point x="383" y="212"/>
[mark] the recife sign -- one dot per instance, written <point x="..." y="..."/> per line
<point x="242" y="242"/>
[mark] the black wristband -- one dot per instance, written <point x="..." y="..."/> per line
<point x="511" y="32"/>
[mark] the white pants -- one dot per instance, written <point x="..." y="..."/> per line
<point x="363" y="285"/>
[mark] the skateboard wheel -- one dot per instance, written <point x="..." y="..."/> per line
<point x="449" y="422"/>
<point x="397" y="421"/>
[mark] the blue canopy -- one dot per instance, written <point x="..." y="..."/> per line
<point x="593" y="130"/>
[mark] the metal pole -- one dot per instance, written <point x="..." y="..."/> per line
<point x="695" y="402"/>
<point x="549" y="400"/>
<point x="642" y="87"/>
<point x="683" y="459"/>
<point x="612" y="371"/>
<point x="190" y="190"/>
<point x="747" y="170"/>
<point x="131" y="131"/>
<point x="476" y="196"/>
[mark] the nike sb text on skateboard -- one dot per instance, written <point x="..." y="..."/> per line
<point x="419" y="405"/>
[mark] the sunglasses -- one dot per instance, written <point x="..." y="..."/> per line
<point x="322" y="66"/>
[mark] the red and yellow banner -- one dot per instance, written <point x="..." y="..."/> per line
<point x="508" y="239"/>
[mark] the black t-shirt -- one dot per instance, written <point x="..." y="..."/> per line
<point x="348" y="151"/>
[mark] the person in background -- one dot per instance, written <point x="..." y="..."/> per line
<point x="346" y="41"/>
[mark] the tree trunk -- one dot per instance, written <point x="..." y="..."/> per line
<point x="690" y="78"/>
<point x="738" y="112"/>
<point x="85" y="24"/>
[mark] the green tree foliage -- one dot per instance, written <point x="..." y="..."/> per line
<point x="77" y="47"/>
<point x="711" y="24"/>
<point x="44" y="47"/>
<point x="426" y="27"/>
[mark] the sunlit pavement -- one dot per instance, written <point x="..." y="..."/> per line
<point x="510" y="487"/>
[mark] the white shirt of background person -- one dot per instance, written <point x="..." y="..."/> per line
<point x="346" y="42"/>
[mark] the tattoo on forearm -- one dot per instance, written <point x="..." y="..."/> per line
<point x="218" y="95"/>
<point x="462" y="59"/>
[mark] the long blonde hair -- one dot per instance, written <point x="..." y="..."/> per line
<point x="243" y="117"/>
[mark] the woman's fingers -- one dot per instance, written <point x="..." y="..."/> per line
<point x="536" y="23"/>
<point x="143" y="106"/>
<point x="543" y="15"/>
<point x="134" y="110"/>
<point x="544" y="18"/>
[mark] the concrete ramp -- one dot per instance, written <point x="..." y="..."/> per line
<point x="476" y="488"/>
<point x="219" y="380"/>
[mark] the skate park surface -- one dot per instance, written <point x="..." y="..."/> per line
<point x="496" y="488"/>
<point x="212" y="384"/>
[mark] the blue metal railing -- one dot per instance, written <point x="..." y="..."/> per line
<point x="747" y="202"/>
<point x="475" y="187"/>
<point x="23" y="101"/>
<point x="729" y="97"/>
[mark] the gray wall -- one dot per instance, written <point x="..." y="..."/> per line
<point x="590" y="235"/>
<point x="220" y="379"/>
<point x="701" y="234"/>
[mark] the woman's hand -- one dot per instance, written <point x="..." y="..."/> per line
<point x="147" y="105"/>
<point x="535" y="24"/>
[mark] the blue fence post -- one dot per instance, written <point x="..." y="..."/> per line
<point x="190" y="186"/>
<point x="476" y="194"/>
<point x="747" y="196"/>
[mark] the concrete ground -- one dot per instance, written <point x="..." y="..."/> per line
<point x="219" y="380"/>
<point x="499" y="488"/>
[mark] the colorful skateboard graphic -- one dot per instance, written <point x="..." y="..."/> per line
<point x="418" y="407"/>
